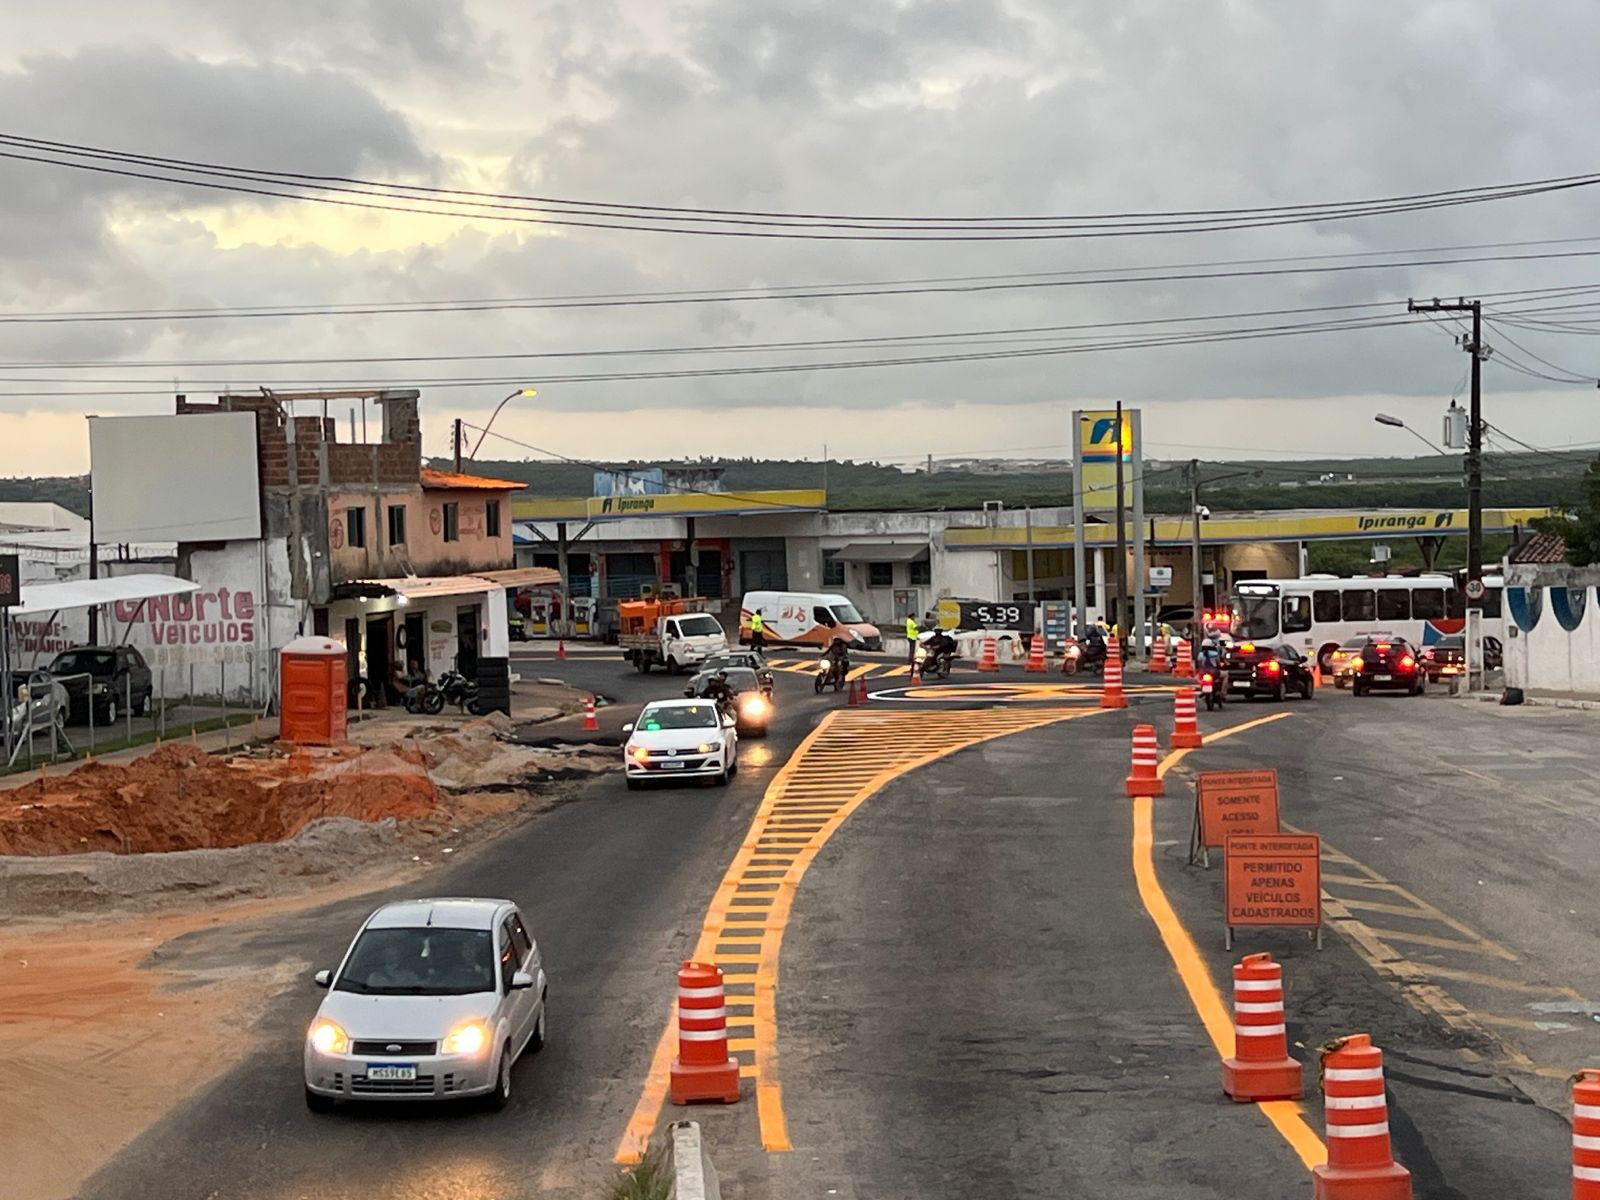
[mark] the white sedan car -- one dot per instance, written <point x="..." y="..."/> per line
<point x="435" y="999"/>
<point x="676" y="739"/>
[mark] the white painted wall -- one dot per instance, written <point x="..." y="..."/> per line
<point x="1549" y="658"/>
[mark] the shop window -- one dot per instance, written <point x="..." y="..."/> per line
<point x="832" y="570"/>
<point x="880" y="574"/>
<point x="452" y="522"/>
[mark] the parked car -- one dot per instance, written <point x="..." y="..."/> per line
<point x="1390" y="663"/>
<point x="1254" y="669"/>
<point x="109" y="677"/>
<point x="680" y="739"/>
<point x="434" y="999"/>
<point x="45" y="698"/>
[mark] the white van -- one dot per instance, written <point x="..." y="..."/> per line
<point x="807" y="619"/>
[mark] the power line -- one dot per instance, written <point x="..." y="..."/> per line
<point x="737" y="223"/>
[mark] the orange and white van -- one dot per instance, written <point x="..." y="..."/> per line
<point x="808" y="619"/>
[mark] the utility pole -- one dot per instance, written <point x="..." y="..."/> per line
<point x="1195" y="625"/>
<point x="455" y="438"/>
<point x="1121" y="622"/>
<point x="1474" y="581"/>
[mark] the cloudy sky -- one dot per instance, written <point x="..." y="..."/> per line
<point x="959" y="108"/>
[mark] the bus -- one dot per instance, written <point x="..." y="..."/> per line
<point x="1317" y="614"/>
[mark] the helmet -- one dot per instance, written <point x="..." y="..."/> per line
<point x="723" y="675"/>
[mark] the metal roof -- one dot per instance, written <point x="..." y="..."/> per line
<point x="84" y="593"/>
<point x="443" y="913"/>
<point x="894" y="551"/>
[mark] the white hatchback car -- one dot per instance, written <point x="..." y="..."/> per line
<point x="676" y="739"/>
<point x="435" y="999"/>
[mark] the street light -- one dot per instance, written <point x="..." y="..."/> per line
<point x="484" y="432"/>
<point x="1397" y="423"/>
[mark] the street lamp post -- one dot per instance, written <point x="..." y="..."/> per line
<point x="1397" y="423"/>
<point x="484" y="432"/>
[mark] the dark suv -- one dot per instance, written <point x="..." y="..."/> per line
<point x="1388" y="663"/>
<point x="109" y="677"/>
<point x="1258" y="670"/>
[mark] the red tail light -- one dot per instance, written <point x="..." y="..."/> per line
<point x="1407" y="662"/>
<point x="1208" y="677"/>
<point x="1271" y="667"/>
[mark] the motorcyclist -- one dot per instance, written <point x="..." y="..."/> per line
<point x="838" y="656"/>
<point x="718" y="690"/>
<point x="940" y="644"/>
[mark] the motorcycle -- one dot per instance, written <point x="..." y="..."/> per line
<point x="424" y="697"/>
<point x="460" y="691"/>
<point x="830" y="671"/>
<point x="1213" y="687"/>
<point x="1083" y="656"/>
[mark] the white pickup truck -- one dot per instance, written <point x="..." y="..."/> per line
<point x="678" y="642"/>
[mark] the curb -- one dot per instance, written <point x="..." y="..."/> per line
<point x="693" y="1176"/>
<point x="1536" y="701"/>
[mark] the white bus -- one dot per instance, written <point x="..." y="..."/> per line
<point x="1317" y="614"/>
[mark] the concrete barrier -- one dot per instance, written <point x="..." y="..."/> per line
<point x="693" y="1176"/>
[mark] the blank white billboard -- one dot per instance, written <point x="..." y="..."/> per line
<point x="190" y="478"/>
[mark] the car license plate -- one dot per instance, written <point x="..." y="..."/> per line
<point x="1383" y="679"/>
<point x="672" y="766"/>
<point x="391" y="1071"/>
<point x="1240" y="685"/>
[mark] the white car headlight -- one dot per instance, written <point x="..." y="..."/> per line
<point x="708" y="747"/>
<point x="470" y="1038"/>
<point x="327" y="1037"/>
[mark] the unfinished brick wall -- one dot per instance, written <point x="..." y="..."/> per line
<point x="394" y="462"/>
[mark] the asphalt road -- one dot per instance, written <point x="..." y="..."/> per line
<point x="974" y="999"/>
<point x="614" y="885"/>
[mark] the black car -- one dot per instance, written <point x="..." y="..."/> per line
<point x="1255" y="670"/>
<point x="1446" y="657"/>
<point x="1388" y="663"/>
<point x="112" y="678"/>
<point x="737" y="658"/>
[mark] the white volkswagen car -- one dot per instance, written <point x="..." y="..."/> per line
<point x="435" y="999"/>
<point x="678" y="739"/>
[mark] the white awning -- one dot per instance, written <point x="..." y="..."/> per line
<point x="84" y="593"/>
<point x="880" y="552"/>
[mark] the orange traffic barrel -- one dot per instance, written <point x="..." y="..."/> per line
<point x="1143" y="779"/>
<point x="1260" y="1068"/>
<point x="990" y="659"/>
<point x="703" y="1070"/>
<point x="1185" y="725"/>
<point x="1111" y="689"/>
<point x="1036" y="664"/>
<point x="1158" y="657"/>
<point x="1360" y="1162"/>
<point x="1183" y="664"/>
<point x="1586" y="1135"/>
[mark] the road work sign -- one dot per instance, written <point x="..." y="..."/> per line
<point x="1227" y="802"/>
<point x="1273" y="879"/>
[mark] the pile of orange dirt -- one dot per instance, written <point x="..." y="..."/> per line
<point x="181" y="798"/>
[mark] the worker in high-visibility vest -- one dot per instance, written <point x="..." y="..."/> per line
<point x="911" y="639"/>
<point x="758" y="631"/>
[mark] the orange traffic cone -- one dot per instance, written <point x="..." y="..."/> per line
<point x="1360" y="1162"/>
<point x="1158" y="658"/>
<point x="990" y="660"/>
<point x="865" y="695"/>
<point x="703" y="1070"/>
<point x="1260" y="1068"/>
<point x="1185" y="727"/>
<point x="1316" y="672"/>
<point x="1142" y="779"/>
<point x="561" y="648"/>
<point x="1036" y="664"/>
<point x="1183" y="664"/>
<point x="590" y="723"/>
<point x="1111" y="690"/>
<point x="1586" y="1135"/>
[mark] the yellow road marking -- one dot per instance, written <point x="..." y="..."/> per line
<point x="1490" y="981"/>
<point x="1287" y="1116"/>
<point x="837" y="777"/>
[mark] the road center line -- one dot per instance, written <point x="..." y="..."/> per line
<point x="1287" y="1117"/>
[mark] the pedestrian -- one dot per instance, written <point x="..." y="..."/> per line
<point x="911" y="640"/>
<point x="758" y="631"/>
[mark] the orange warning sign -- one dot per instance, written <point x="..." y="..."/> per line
<point x="1235" y="802"/>
<point x="1273" y="879"/>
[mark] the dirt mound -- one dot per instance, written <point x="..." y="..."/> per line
<point x="181" y="798"/>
